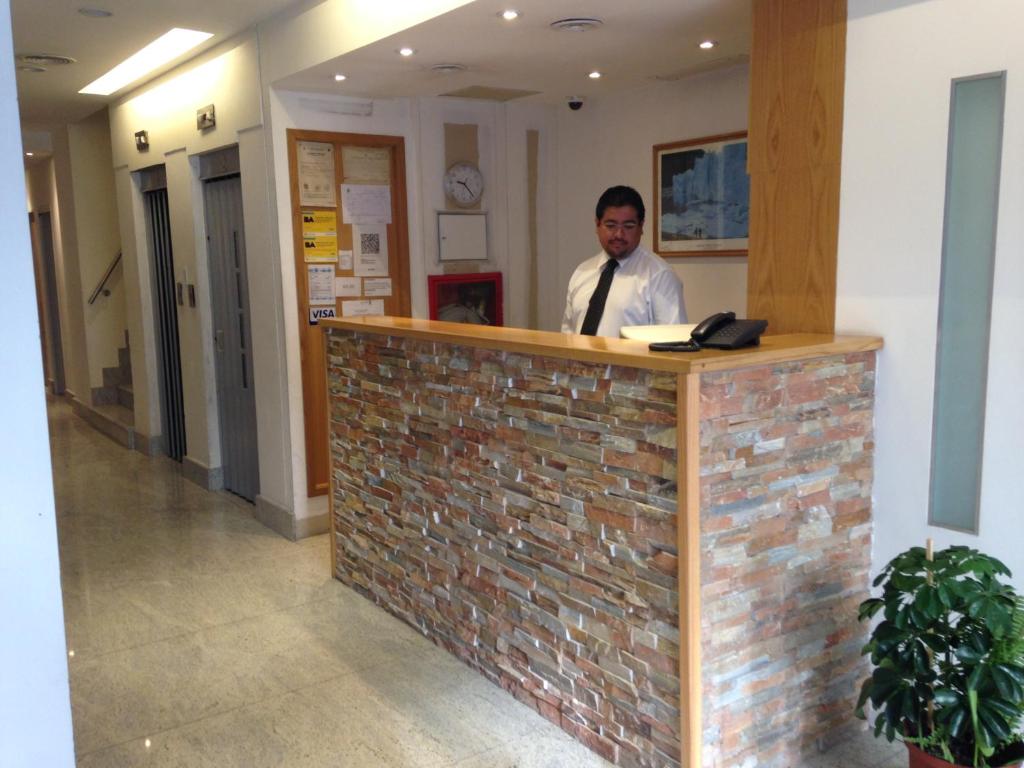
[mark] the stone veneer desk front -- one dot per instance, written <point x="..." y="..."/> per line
<point x="514" y="495"/>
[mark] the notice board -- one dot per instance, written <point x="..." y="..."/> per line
<point x="351" y="242"/>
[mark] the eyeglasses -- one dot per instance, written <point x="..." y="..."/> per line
<point x="613" y="226"/>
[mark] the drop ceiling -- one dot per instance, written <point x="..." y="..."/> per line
<point x="637" y="44"/>
<point x="56" y="27"/>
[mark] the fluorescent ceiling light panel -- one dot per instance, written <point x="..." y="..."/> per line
<point x="162" y="50"/>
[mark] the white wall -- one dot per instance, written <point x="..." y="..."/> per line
<point x="900" y="60"/>
<point x="69" y="277"/>
<point x="395" y="117"/>
<point x="35" y="708"/>
<point x="609" y="141"/>
<point x="228" y="77"/>
<point x="501" y="137"/>
<point x="318" y="30"/>
<point x="98" y="240"/>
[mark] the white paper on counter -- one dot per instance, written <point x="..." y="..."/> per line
<point x="366" y="203"/>
<point x="371" y="250"/>
<point x="321" y="283"/>
<point x="348" y="286"/>
<point x="362" y="307"/>
<point x="377" y="286"/>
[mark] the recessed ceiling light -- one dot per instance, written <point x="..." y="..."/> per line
<point x="707" y="45"/>
<point x="407" y="51"/>
<point x="510" y="14"/>
<point x="30" y="154"/>
<point x="595" y="75"/>
<point x="95" y="13"/>
<point x="339" y="77"/>
<point x="165" y="48"/>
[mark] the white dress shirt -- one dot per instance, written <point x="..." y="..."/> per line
<point x="644" y="291"/>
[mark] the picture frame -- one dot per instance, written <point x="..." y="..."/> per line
<point x="702" y="197"/>
<point x="474" y="298"/>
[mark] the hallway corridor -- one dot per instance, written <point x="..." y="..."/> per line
<point x="198" y="637"/>
<point x="202" y="638"/>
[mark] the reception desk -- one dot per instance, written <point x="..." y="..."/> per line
<point x="661" y="553"/>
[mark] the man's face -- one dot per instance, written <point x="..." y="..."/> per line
<point x="619" y="231"/>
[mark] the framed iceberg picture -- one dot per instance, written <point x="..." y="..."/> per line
<point x="702" y="197"/>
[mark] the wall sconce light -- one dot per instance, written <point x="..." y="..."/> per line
<point x="142" y="141"/>
<point x="205" y="118"/>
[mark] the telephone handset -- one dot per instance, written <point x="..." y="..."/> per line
<point x="720" y="331"/>
<point x="724" y="331"/>
<point x="710" y="324"/>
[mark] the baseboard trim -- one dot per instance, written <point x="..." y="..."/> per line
<point x="210" y="478"/>
<point x="121" y="434"/>
<point x="149" y="445"/>
<point x="282" y="521"/>
<point x="276" y="518"/>
<point x="312" y="526"/>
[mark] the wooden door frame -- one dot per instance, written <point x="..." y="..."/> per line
<point x="311" y="342"/>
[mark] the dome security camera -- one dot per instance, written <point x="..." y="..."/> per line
<point x="575" y="103"/>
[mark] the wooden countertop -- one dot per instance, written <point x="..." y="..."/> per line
<point x="599" y="349"/>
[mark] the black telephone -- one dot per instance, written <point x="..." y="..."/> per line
<point x="720" y="331"/>
<point x="724" y="331"/>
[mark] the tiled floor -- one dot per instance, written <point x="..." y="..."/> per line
<point x="201" y="638"/>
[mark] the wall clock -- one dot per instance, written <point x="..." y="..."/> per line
<point x="464" y="184"/>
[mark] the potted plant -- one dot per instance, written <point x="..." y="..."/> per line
<point x="948" y="658"/>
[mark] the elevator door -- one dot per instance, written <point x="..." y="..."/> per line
<point x="229" y="294"/>
<point x="166" y="305"/>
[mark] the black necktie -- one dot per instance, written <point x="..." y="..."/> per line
<point x="596" y="307"/>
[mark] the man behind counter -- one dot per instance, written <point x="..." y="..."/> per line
<point x="625" y="284"/>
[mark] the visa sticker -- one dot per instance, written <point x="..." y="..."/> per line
<point x="316" y="314"/>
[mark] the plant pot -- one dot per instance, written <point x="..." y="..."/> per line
<point x="919" y="759"/>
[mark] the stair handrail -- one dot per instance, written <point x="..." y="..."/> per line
<point x="103" y="281"/>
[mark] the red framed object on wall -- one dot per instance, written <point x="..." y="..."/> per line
<point x="472" y="298"/>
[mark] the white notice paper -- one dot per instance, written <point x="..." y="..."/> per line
<point x="321" y="283"/>
<point x="348" y="286"/>
<point x="364" y="307"/>
<point x="315" y="167"/>
<point x="344" y="260"/>
<point x="366" y="164"/>
<point x="371" y="246"/>
<point x="366" y="203"/>
<point x="377" y="286"/>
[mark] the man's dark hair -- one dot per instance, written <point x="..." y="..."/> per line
<point x="616" y="197"/>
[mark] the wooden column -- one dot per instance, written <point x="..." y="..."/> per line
<point x="796" y="123"/>
<point x="691" y="689"/>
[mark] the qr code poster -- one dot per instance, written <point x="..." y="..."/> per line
<point x="371" y="250"/>
<point x="369" y="243"/>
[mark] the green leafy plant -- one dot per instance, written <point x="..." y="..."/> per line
<point x="948" y="657"/>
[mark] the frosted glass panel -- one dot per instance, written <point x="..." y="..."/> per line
<point x="965" y="299"/>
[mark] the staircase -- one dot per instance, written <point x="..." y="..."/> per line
<point x="113" y="404"/>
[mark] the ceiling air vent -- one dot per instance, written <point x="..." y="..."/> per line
<point x="44" y="59"/>
<point x="577" y="24"/>
<point x="30" y="68"/>
<point x="448" y="69"/>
